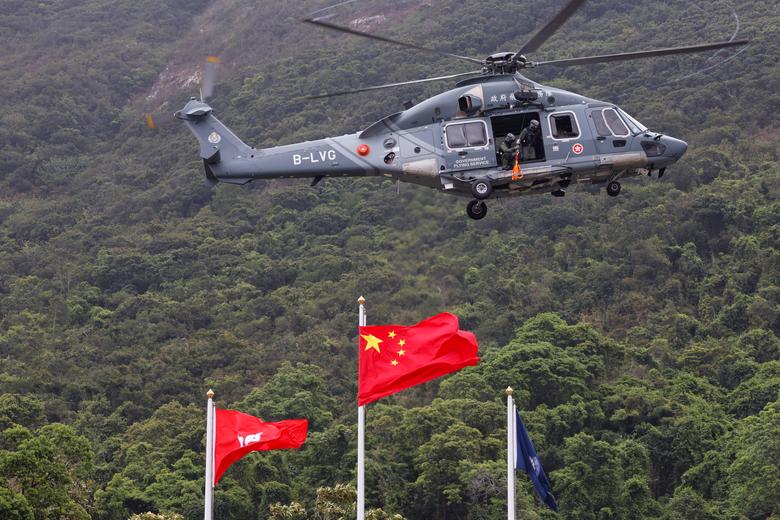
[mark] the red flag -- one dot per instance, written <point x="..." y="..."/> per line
<point x="237" y="434"/>
<point x="392" y="358"/>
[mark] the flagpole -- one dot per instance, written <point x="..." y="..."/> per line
<point x="510" y="455"/>
<point x="209" y="489"/>
<point x="361" y="469"/>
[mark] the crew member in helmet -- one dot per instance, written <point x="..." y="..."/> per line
<point x="508" y="149"/>
<point x="529" y="140"/>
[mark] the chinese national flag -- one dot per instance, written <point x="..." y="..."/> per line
<point x="236" y="434"/>
<point x="393" y="358"/>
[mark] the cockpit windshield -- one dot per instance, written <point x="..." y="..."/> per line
<point x="635" y="126"/>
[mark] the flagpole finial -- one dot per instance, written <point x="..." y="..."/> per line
<point x="210" y="394"/>
<point x="361" y="300"/>
<point x="509" y="390"/>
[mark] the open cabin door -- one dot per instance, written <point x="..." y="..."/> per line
<point x="531" y="150"/>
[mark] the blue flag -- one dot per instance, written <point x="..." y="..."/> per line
<point x="527" y="460"/>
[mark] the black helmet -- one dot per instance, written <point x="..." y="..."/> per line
<point x="509" y="137"/>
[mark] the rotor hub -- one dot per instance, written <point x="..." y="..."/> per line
<point x="505" y="63"/>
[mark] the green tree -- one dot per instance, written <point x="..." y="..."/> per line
<point x="294" y="391"/>
<point x="755" y="471"/>
<point x="601" y="480"/>
<point x="50" y="468"/>
<point x="441" y="461"/>
<point x="14" y="506"/>
<point x="686" y="504"/>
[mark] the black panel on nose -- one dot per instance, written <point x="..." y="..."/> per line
<point x="653" y="148"/>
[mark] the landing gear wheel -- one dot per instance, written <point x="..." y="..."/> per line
<point x="476" y="209"/>
<point x="481" y="189"/>
<point x="613" y="188"/>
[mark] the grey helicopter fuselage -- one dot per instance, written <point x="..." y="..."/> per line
<point x="450" y="142"/>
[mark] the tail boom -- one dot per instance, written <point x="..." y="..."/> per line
<point x="228" y="159"/>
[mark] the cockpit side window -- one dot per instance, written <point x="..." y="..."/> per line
<point x="563" y="125"/>
<point x="615" y="124"/>
<point x="636" y="126"/>
<point x="466" y="135"/>
<point x="601" y="125"/>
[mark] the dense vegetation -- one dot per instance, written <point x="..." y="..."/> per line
<point x="640" y="333"/>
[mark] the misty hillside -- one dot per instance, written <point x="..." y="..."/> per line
<point x="639" y="332"/>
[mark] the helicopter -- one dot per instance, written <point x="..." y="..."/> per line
<point x="452" y="141"/>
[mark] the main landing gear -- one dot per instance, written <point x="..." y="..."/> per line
<point x="481" y="189"/>
<point x="476" y="209"/>
<point x="613" y="188"/>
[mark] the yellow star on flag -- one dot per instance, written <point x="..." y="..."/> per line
<point x="391" y="334"/>
<point x="402" y="342"/>
<point x="394" y="362"/>
<point x="372" y="342"/>
<point x="401" y="352"/>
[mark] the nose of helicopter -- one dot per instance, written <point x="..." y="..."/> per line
<point x="675" y="148"/>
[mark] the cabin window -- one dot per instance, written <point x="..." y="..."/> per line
<point x="455" y="137"/>
<point x="476" y="134"/>
<point x="466" y="135"/>
<point x="601" y="125"/>
<point x="615" y="124"/>
<point x="564" y="126"/>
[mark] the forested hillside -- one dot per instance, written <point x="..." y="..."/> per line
<point x="640" y="332"/>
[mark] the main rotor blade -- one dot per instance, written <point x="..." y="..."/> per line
<point x="328" y="25"/>
<point x="642" y="54"/>
<point x="390" y="85"/>
<point x="553" y="25"/>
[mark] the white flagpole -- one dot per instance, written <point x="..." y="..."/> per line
<point x="209" y="490"/>
<point x="514" y="436"/>
<point x="361" y="468"/>
<point x="510" y="455"/>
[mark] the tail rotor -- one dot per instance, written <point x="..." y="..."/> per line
<point x="158" y="120"/>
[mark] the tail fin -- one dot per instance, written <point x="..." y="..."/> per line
<point x="217" y="142"/>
